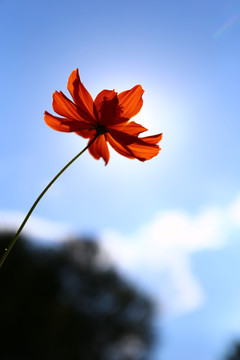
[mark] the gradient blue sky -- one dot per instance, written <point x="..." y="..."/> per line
<point x="186" y="55"/>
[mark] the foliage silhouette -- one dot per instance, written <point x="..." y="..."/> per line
<point x="67" y="303"/>
<point x="234" y="353"/>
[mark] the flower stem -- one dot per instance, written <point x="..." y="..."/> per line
<point x="9" y="248"/>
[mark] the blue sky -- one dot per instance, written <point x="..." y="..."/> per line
<point x="186" y="55"/>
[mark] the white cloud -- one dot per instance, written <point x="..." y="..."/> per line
<point x="36" y="227"/>
<point x="234" y="212"/>
<point x="158" y="253"/>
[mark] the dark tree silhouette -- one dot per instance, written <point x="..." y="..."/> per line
<point x="234" y="352"/>
<point x="67" y="303"/>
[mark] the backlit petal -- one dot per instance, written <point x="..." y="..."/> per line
<point x="87" y="133"/>
<point x="129" y="127"/>
<point x="123" y="138"/>
<point x="106" y="104"/>
<point x="63" y="124"/>
<point x="65" y="107"/>
<point x="131" y="146"/>
<point x="104" y="95"/>
<point x="130" y="101"/>
<point x="153" y="139"/>
<point x="144" y="150"/>
<point x="120" y="148"/>
<point x="80" y="95"/>
<point x="100" y="149"/>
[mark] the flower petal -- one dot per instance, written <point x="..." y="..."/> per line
<point x="65" y="107"/>
<point x="130" y="128"/>
<point x="122" y="137"/>
<point x="104" y="95"/>
<point x="80" y="95"/>
<point x="100" y="149"/>
<point x="145" y="148"/>
<point x="133" y="147"/>
<point x="120" y="148"/>
<point x="130" y="101"/>
<point x="153" y="139"/>
<point x="87" y="133"/>
<point x="106" y="105"/>
<point x="63" y="124"/>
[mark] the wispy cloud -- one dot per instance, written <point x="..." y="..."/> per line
<point x="37" y="228"/>
<point x="158" y="254"/>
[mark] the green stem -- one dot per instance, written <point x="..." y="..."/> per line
<point x="7" y="250"/>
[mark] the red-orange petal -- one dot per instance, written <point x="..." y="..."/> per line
<point x="65" y="107"/>
<point x="63" y="124"/>
<point x="121" y="137"/>
<point x="128" y="127"/>
<point x="152" y="139"/>
<point x="103" y="95"/>
<point x="80" y="95"/>
<point x="120" y="148"/>
<point x="130" y="101"/>
<point x="100" y="149"/>
<point x="133" y="147"/>
<point x="144" y="150"/>
<point x="87" y="133"/>
<point x="106" y="104"/>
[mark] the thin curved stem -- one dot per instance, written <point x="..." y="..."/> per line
<point x="9" y="248"/>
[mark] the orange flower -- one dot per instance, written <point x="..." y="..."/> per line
<point x="107" y="117"/>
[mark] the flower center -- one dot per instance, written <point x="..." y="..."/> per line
<point x="101" y="129"/>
